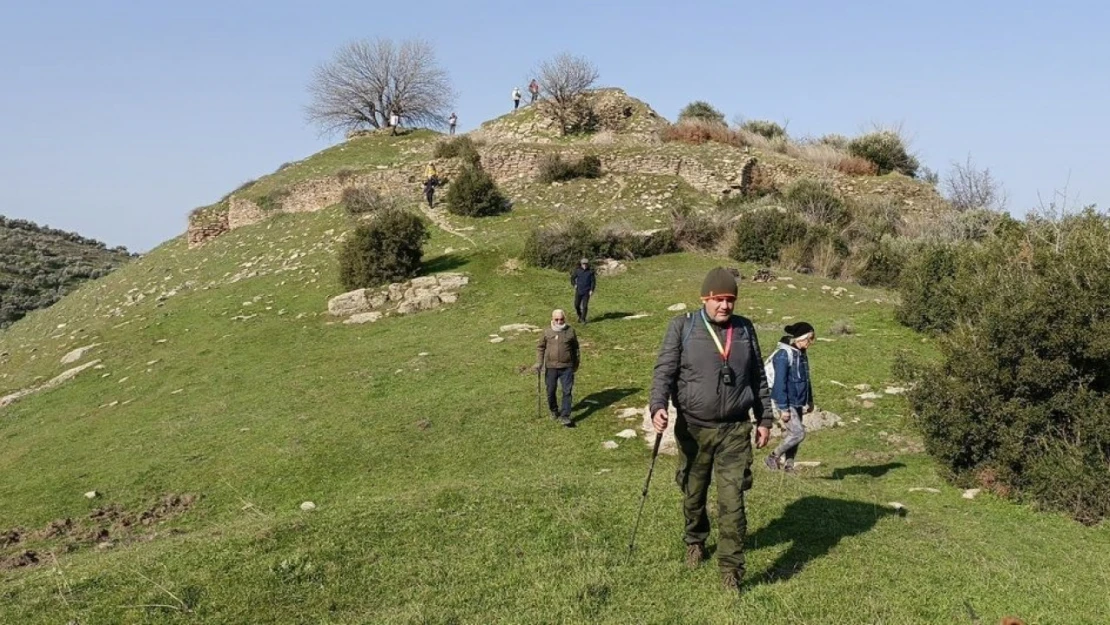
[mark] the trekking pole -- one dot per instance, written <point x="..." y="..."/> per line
<point x="643" y="497"/>
<point x="539" y="373"/>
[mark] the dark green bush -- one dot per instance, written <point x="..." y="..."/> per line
<point x="560" y="246"/>
<point x="621" y="242"/>
<point x="459" y="147"/>
<point x="554" y="169"/>
<point x="837" y="141"/>
<point x="387" y="249"/>
<point x="766" y="128"/>
<point x="887" y="150"/>
<point x="362" y="200"/>
<point x="761" y="234"/>
<point x="930" y="300"/>
<point x="818" y="202"/>
<point x="1021" y="400"/>
<point x="694" y="231"/>
<point x="473" y="193"/>
<point x="272" y="201"/>
<point x="701" y="111"/>
<point x="879" y="264"/>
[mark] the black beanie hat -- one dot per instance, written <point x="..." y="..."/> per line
<point x="718" y="282"/>
<point x="796" y="330"/>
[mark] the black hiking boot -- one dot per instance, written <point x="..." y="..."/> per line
<point x="730" y="580"/>
<point x="566" y="421"/>
<point x="695" y="555"/>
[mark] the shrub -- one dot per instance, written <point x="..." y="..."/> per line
<point x="387" y="249"/>
<point x="1022" y="395"/>
<point x="874" y="218"/>
<point x="818" y="203"/>
<point x="273" y="200"/>
<point x="694" y="231"/>
<point x="927" y="286"/>
<point x="856" y="166"/>
<point x="560" y="246"/>
<point x="623" y="242"/>
<point x="701" y="111"/>
<point x="837" y="141"/>
<point x="697" y="132"/>
<point x="363" y="199"/>
<point x="553" y="168"/>
<point x="473" y="193"/>
<point x="879" y="264"/>
<point x="343" y="174"/>
<point x="764" y="128"/>
<point x="459" y="147"/>
<point x="760" y="182"/>
<point x="761" y="235"/>
<point x="887" y="150"/>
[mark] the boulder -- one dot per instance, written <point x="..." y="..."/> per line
<point x="610" y="267"/>
<point x="667" y="445"/>
<point x="366" y="317"/>
<point x="423" y="282"/>
<point x="452" y="281"/>
<point x="350" y="303"/>
<point x="77" y="354"/>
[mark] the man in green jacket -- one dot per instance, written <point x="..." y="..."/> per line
<point x="711" y="369"/>
<point x="558" y="354"/>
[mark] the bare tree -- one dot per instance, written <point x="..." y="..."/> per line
<point x="969" y="188"/>
<point x="563" y="81"/>
<point x="367" y="81"/>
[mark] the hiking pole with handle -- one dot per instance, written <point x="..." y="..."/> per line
<point x="643" y="497"/>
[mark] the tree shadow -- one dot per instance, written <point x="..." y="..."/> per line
<point x="813" y="526"/>
<point x="870" y="470"/>
<point x="610" y="316"/>
<point x="445" y="262"/>
<point x="602" y="399"/>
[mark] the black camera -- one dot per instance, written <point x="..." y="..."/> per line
<point x="728" y="377"/>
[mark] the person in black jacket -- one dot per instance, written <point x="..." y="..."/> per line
<point x="711" y="369"/>
<point x="584" y="281"/>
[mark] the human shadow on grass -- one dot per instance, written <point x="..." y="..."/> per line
<point x="600" y="400"/>
<point x="813" y="526"/>
<point x="444" y="262"/>
<point x="870" y="470"/>
<point x="609" y="316"/>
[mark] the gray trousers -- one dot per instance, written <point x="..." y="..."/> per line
<point x="794" y="432"/>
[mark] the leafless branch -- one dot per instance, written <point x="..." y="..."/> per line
<point x="563" y="81"/>
<point x="367" y="81"/>
<point x="969" y="188"/>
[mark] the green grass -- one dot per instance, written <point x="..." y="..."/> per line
<point x="441" y="497"/>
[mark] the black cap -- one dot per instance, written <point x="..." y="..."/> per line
<point x="796" y="330"/>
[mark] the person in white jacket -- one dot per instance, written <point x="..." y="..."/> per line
<point x="516" y="98"/>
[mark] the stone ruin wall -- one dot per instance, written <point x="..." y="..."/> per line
<point x="718" y="175"/>
<point x="502" y="164"/>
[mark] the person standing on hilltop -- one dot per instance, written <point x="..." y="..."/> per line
<point x="516" y="98"/>
<point x="558" y="353"/>
<point x="584" y="281"/>
<point x="534" y="89"/>
<point x="711" y="369"/>
<point x="791" y="392"/>
<point x="451" y="122"/>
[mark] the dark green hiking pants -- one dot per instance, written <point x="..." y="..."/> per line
<point x="725" y="454"/>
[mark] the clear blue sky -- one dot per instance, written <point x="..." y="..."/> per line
<point x="117" y="118"/>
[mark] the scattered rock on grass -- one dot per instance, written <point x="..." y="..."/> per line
<point x="308" y="506"/>
<point x="610" y="445"/>
<point x="925" y="489"/>
<point x="677" y="307"/>
<point x="92" y="494"/>
<point x="626" y="434"/>
<point x="971" y="493"/>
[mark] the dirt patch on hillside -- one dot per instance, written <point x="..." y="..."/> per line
<point x="102" y="528"/>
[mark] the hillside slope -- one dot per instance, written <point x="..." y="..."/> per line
<point x="38" y="265"/>
<point x="216" y="397"/>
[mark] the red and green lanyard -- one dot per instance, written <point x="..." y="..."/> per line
<point x="727" y="349"/>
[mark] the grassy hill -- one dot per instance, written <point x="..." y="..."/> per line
<point x="38" y="265"/>
<point x="223" y="397"/>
